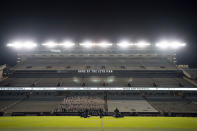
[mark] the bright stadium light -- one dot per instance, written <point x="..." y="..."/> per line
<point x="86" y="44"/>
<point x="104" y="44"/>
<point x="142" y="44"/>
<point x="16" y="45"/>
<point x="176" y="44"/>
<point x="163" y="44"/>
<point x="50" y="44"/>
<point x="29" y="45"/>
<point x="170" y="45"/>
<point x="22" y="45"/>
<point x="124" y="44"/>
<point x="67" y="44"/>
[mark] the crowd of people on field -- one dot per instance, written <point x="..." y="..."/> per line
<point x="81" y="104"/>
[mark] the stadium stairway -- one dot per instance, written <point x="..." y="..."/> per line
<point x="188" y="77"/>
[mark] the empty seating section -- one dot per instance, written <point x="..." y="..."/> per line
<point x="108" y="81"/>
<point x="18" y="82"/>
<point x="7" y="101"/>
<point x="130" y="106"/>
<point x="93" y="63"/>
<point x="44" y="82"/>
<point x="171" y="82"/>
<point x="70" y="82"/>
<point x="35" y="104"/>
<point x="172" y="104"/>
<point x="142" y="82"/>
<point x="126" y="72"/>
<point x="128" y="103"/>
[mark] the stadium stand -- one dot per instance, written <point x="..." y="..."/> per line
<point x="172" y="104"/>
<point x="105" y="70"/>
<point x="93" y="102"/>
<point x="8" y="102"/>
<point x="129" y="104"/>
<point x="36" y="104"/>
<point x="193" y="74"/>
<point x="96" y="81"/>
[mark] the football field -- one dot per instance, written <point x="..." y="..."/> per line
<point x="75" y="123"/>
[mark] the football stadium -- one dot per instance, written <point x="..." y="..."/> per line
<point x="98" y="85"/>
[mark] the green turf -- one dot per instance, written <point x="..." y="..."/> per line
<point x="74" y="123"/>
<point x="97" y="129"/>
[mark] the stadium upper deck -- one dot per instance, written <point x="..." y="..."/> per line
<point x="95" y="61"/>
<point x="96" y="67"/>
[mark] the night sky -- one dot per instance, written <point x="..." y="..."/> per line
<point x="103" y="19"/>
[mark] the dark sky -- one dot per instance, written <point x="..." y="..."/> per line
<point x="102" y="19"/>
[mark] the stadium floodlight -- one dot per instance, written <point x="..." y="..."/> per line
<point x="86" y="44"/>
<point x="67" y="44"/>
<point x="142" y="44"/>
<point x="163" y="44"/>
<point x="170" y="45"/>
<point x="50" y="44"/>
<point x="16" y="45"/>
<point x="29" y="45"/>
<point x="22" y="45"/>
<point x="104" y="44"/>
<point x="177" y="44"/>
<point x="124" y="44"/>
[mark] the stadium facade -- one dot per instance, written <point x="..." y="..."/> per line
<point x="137" y="80"/>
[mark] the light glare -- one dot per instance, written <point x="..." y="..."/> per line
<point x="76" y="80"/>
<point x="22" y="45"/>
<point x="67" y="44"/>
<point x="163" y="44"/>
<point x="142" y="44"/>
<point x="86" y="44"/>
<point x="170" y="45"/>
<point x="176" y="44"/>
<point x="110" y="79"/>
<point x="124" y="44"/>
<point x="50" y="44"/>
<point x="95" y="80"/>
<point x="104" y="44"/>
